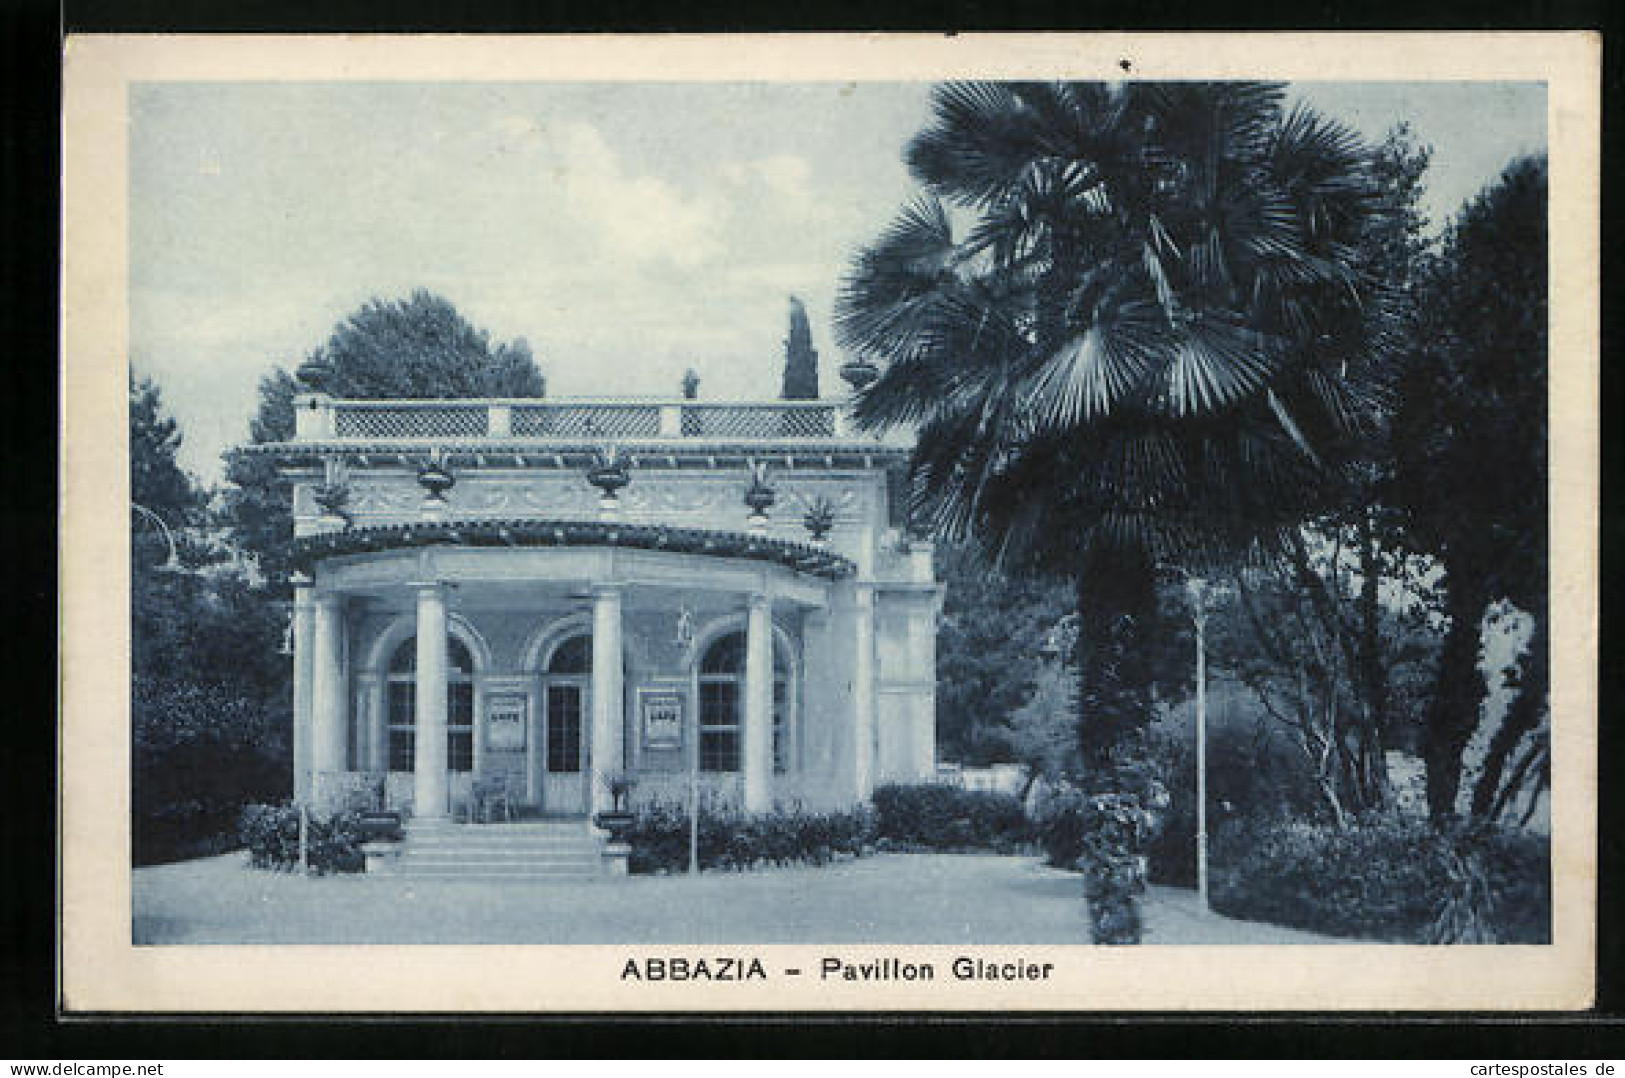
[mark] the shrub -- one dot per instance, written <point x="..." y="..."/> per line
<point x="1059" y="824"/>
<point x="271" y="834"/>
<point x="659" y="837"/>
<point x="937" y="816"/>
<point x="1386" y="879"/>
<point x="199" y="753"/>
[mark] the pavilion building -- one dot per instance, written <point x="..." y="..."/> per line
<point x="565" y="597"/>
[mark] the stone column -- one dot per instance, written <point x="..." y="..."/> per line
<point x="304" y="617"/>
<point x="330" y="695"/>
<point x="607" y="694"/>
<point x="429" y="800"/>
<point x="863" y="691"/>
<point x="757" y="735"/>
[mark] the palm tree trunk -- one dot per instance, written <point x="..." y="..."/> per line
<point x="1116" y="593"/>
<point x="1117" y="601"/>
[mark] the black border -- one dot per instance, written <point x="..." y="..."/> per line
<point x="29" y="1027"/>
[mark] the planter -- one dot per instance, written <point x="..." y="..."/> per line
<point x="859" y="373"/>
<point x="380" y="826"/>
<point x="609" y="479"/>
<point x="618" y="824"/>
<point x="436" y="480"/>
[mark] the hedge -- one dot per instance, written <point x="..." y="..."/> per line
<point x="1388" y="879"/>
<point x="937" y="816"/>
<point x="659" y="837"/>
<point x="271" y="834"/>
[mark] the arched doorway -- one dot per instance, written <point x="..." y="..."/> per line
<point x="566" y="698"/>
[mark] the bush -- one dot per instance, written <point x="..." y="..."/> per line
<point x="1384" y="878"/>
<point x="1060" y="823"/>
<point x="659" y="837"/>
<point x="199" y="753"/>
<point x="936" y="816"/>
<point x="271" y="834"/>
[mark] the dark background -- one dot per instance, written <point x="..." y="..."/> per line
<point x="30" y="37"/>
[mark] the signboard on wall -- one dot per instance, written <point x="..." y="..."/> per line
<point x="661" y="711"/>
<point x="505" y="722"/>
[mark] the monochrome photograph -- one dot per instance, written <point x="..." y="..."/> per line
<point x="925" y="534"/>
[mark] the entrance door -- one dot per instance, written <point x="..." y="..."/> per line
<point x="564" y="778"/>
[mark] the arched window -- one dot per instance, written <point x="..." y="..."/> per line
<point x="570" y="664"/>
<point x="459" y="706"/>
<point x="722" y="695"/>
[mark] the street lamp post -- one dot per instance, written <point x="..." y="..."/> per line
<point x="1199" y="619"/>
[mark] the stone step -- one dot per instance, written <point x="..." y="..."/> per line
<point x="497" y="830"/>
<point x="428" y="857"/>
<point x="529" y="842"/>
<point x="483" y="869"/>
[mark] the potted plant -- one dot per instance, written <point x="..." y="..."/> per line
<point x="617" y="820"/>
<point x="333" y="498"/>
<point x="609" y="475"/>
<point x="820" y="518"/>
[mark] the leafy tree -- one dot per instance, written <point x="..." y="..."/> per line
<point x="157" y="482"/>
<point x="208" y="687"/>
<point x="800" y="359"/>
<point x="416" y="347"/>
<point x="1471" y="436"/>
<point x="1150" y="345"/>
<point x="992" y="631"/>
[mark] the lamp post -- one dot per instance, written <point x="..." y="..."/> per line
<point x="1200" y="592"/>
<point x="173" y="563"/>
<point x="1199" y="619"/>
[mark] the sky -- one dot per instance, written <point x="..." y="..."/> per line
<point x="627" y="232"/>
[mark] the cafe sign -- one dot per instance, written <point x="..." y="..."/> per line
<point x="505" y="722"/>
<point x="662" y="716"/>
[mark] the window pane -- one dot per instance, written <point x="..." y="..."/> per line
<point x="400" y="750"/>
<point x="457" y="658"/>
<point x="574" y="656"/>
<point x="781" y="727"/>
<point x="563" y="729"/>
<point x="726" y="656"/>
<point x="459" y="750"/>
<point x="719" y="750"/>
<point x="402" y="703"/>
<point x="460" y="704"/>
<point x="405" y="659"/>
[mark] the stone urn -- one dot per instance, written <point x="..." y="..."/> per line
<point x="435" y="479"/>
<point x="859" y="373"/>
<point x="609" y="475"/>
<point x="759" y="496"/>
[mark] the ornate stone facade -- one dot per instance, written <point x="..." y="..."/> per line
<point x="531" y="631"/>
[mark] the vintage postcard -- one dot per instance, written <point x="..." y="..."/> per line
<point x="1052" y="522"/>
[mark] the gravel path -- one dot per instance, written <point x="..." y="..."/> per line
<point x="889" y="898"/>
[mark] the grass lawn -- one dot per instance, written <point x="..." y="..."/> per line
<point x="889" y="898"/>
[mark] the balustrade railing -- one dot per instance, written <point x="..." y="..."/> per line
<point x="322" y="418"/>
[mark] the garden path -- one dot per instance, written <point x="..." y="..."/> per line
<point x="888" y="898"/>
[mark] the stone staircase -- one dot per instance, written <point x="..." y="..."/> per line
<point x="520" y="850"/>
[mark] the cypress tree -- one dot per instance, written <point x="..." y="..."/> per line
<point x="800" y="359"/>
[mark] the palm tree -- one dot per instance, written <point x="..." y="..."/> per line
<point x="1128" y="325"/>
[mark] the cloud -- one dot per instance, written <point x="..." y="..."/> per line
<point x="786" y="175"/>
<point x="635" y="216"/>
